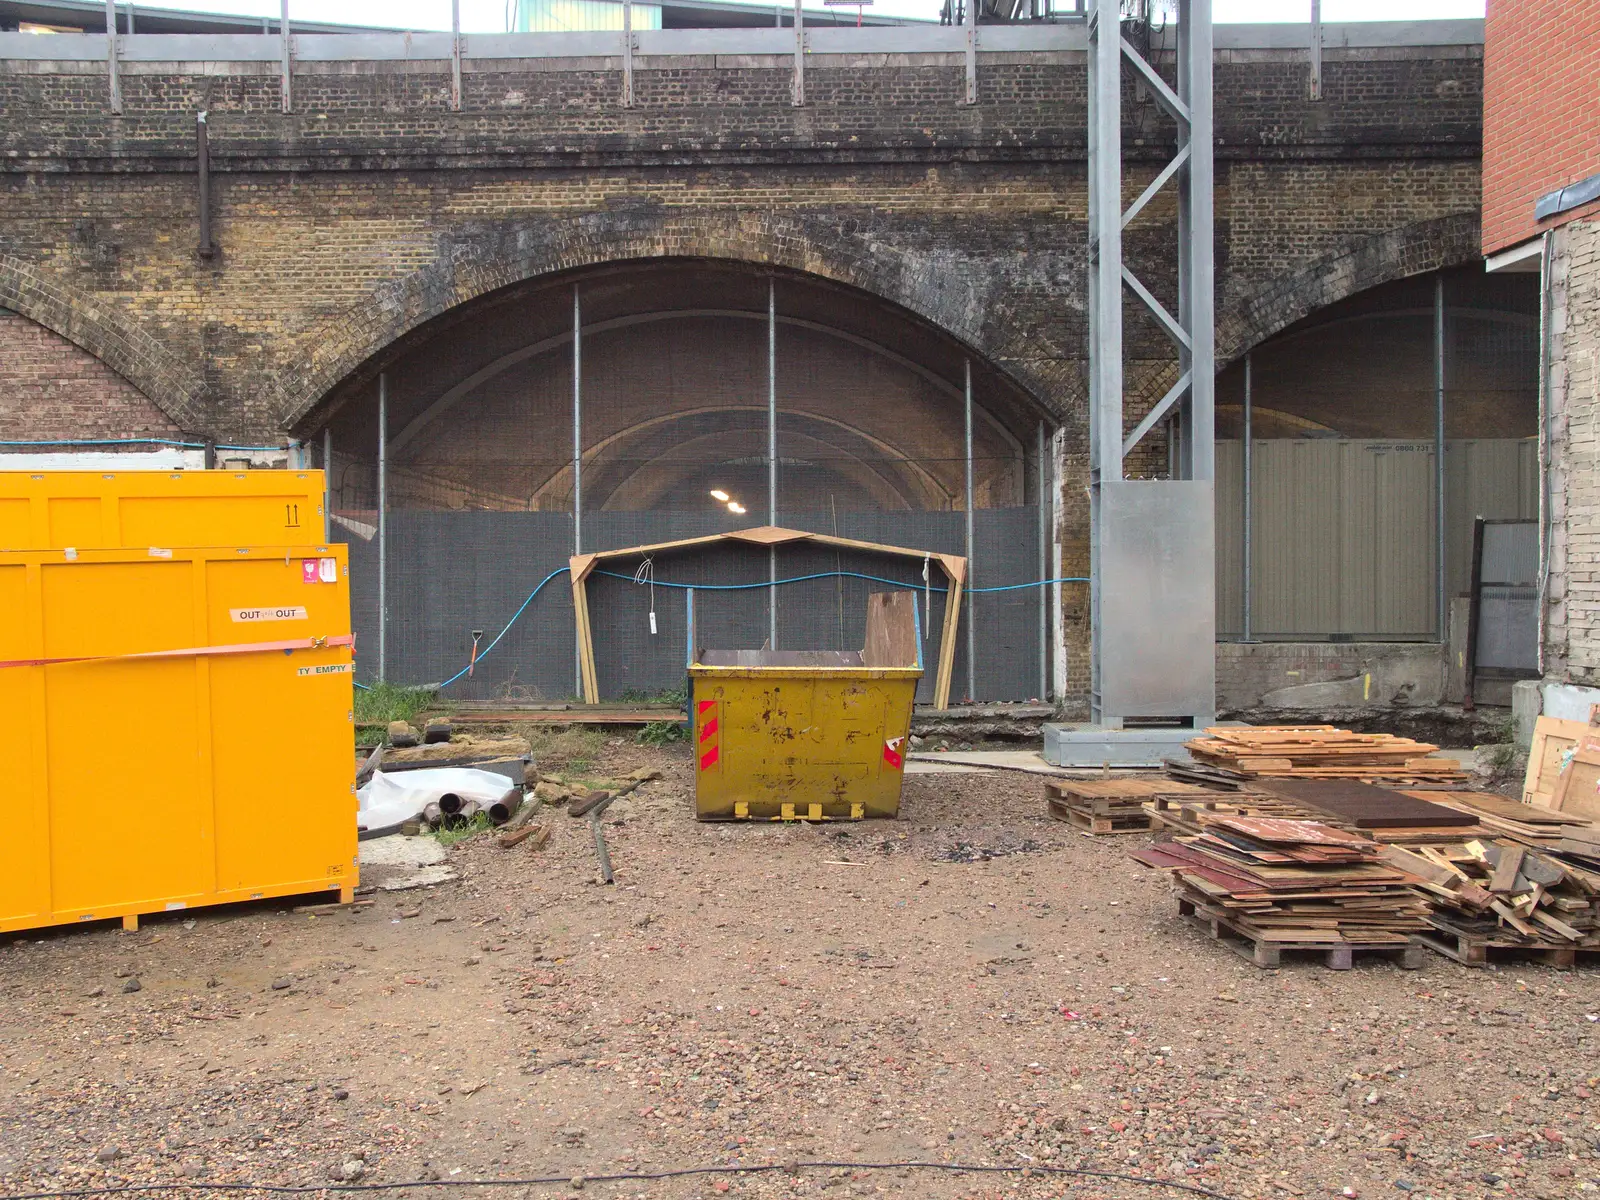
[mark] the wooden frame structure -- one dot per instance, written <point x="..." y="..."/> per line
<point x="954" y="567"/>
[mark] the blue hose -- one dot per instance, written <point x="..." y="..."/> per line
<point x="733" y="587"/>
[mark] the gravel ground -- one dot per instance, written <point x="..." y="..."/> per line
<point x="971" y="983"/>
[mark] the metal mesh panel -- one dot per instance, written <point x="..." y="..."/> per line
<point x="453" y="572"/>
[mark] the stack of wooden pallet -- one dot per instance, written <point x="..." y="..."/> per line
<point x="1275" y="884"/>
<point x="1319" y="752"/>
<point x="1114" y="805"/>
<point x="1489" y="896"/>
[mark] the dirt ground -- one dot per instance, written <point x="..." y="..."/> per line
<point x="972" y="983"/>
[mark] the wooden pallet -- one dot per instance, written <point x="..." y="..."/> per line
<point x="1268" y="952"/>
<point x="1134" y="820"/>
<point x="1473" y="951"/>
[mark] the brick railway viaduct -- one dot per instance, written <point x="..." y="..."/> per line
<point x="374" y="216"/>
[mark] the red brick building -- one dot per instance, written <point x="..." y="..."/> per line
<point x="1541" y="118"/>
<point x="1541" y="212"/>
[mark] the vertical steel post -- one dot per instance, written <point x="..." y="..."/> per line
<point x="972" y="687"/>
<point x="285" y="86"/>
<point x="1442" y="602"/>
<point x="455" y="55"/>
<point x="1316" y="49"/>
<point x="1044" y="569"/>
<point x="577" y="460"/>
<point x="112" y="73"/>
<point x="1105" y="296"/>
<point x="1195" y="219"/>
<point x="130" y="16"/>
<point x="1249" y="436"/>
<point x="383" y="526"/>
<point x="627" y="53"/>
<point x="327" y="483"/>
<point x="971" y="23"/>
<point x="772" y="458"/>
<point x="799" y="96"/>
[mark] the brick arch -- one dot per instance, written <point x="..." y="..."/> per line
<point x="132" y="352"/>
<point x="1364" y="263"/>
<point x="469" y="266"/>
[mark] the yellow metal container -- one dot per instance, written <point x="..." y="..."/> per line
<point x="807" y="734"/>
<point x="179" y="729"/>
<point x="50" y="510"/>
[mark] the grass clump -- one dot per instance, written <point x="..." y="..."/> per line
<point x="571" y="748"/>
<point x="450" y="833"/>
<point x="384" y="702"/>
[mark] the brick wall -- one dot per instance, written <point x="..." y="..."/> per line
<point x="50" y="388"/>
<point x="1572" y="610"/>
<point x="1541" y="110"/>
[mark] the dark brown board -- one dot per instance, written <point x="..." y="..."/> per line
<point x="1366" y="806"/>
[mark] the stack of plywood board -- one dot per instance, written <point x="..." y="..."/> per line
<point x="1276" y="884"/>
<point x="1319" y="752"/>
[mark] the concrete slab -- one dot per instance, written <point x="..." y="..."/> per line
<point x="397" y="863"/>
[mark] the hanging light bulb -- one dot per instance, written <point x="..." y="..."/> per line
<point x="720" y="496"/>
<point x="735" y="507"/>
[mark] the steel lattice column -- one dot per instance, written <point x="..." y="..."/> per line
<point x="1129" y="555"/>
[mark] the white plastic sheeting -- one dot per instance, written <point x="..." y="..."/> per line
<point x="387" y="800"/>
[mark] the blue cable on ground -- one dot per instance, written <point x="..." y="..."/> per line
<point x="731" y="587"/>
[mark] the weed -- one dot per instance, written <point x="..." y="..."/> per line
<point x="381" y="703"/>
<point x="449" y="835"/>
<point x="676" y="697"/>
<point x="573" y="748"/>
<point x="662" y="733"/>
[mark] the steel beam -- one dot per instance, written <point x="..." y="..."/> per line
<point x="1249" y="445"/>
<point x="113" y="75"/>
<point x="972" y="687"/>
<point x="798" y="98"/>
<point x="285" y="65"/>
<point x="383" y="526"/>
<point x="1441" y="601"/>
<point x="627" y="53"/>
<point x="455" y="55"/>
<point x="772" y="459"/>
<point x="1315" y="50"/>
<point x="577" y="461"/>
<point x="327" y="483"/>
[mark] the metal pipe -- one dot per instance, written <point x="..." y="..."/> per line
<point x="1316" y="49"/>
<point x="1544" y="443"/>
<point x="1248" y="449"/>
<point x="971" y="22"/>
<point x="1441" y="602"/>
<point x="1058" y="624"/>
<point x="972" y="687"/>
<point x="383" y="526"/>
<point x="503" y="809"/>
<point x="772" y="458"/>
<point x="327" y="483"/>
<point x="799" y="97"/>
<point x="1044" y="570"/>
<point x="577" y="459"/>
<point x="111" y="56"/>
<point x="130" y="16"/>
<point x="455" y="55"/>
<point x="627" y="53"/>
<point x="207" y="248"/>
<point x="285" y="88"/>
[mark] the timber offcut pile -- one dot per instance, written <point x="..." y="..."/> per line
<point x="1318" y="752"/>
<point x="1499" y="896"/>
<point x="1276" y="884"/>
